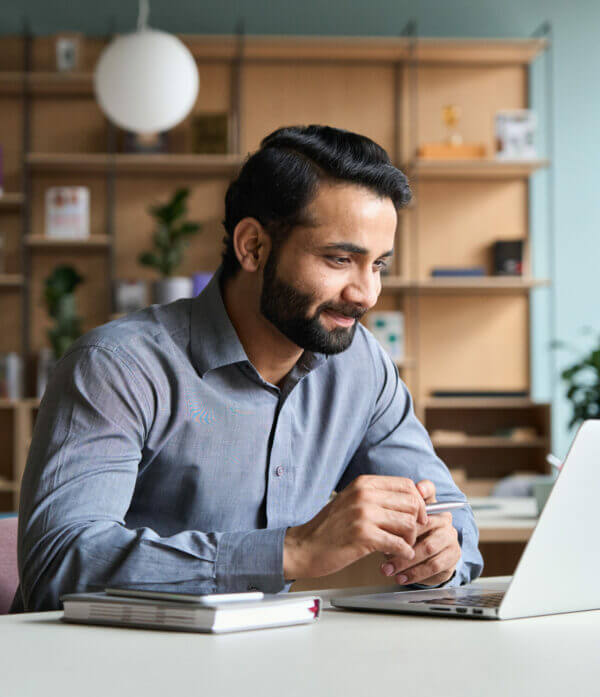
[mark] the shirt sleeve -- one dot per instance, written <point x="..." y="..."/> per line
<point x="396" y="443"/>
<point x="81" y="473"/>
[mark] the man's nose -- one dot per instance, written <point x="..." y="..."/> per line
<point x="363" y="290"/>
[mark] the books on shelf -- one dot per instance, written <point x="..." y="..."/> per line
<point x="457" y="272"/>
<point x="68" y="212"/>
<point x="187" y="615"/>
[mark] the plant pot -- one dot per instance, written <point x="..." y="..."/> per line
<point x="169" y="289"/>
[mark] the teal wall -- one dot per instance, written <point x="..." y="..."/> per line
<point x="576" y="25"/>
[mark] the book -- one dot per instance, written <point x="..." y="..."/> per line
<point x="451" y="272"/>
<point x="68" y="212"/>
<point x="188" y="616"/>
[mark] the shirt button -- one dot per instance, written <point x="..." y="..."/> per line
<point x="279" y="471"/>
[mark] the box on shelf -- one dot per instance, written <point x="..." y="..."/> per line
<point x="388" y="328"/>
<point x="130" y="296"/>
<point x="508" y="257"/>
<point x="210" y="133"/>
<point x="515" y="134"/>
<point x="68" y="212"/>
<point x="69" y="52"/>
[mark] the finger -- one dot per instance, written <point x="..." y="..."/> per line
<point x="427" y="490"/>
<point x="393" y="544"/>
<point x="439" y="520"/>
<point x="406" y="502"/>
<point x="393" y="484"/>
<point x="427" y="547"/>
<point x="402" y="524"/>
<point x="442" y="564"/>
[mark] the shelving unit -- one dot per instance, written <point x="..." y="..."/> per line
<point x="391" y="89"/>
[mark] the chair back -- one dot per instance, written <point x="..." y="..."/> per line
<point x="9" y="573"/>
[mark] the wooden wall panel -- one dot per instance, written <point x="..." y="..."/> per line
<point x="460" y="220"/>
<point x="473" y="342"/>
<point x="11" y="139"/>
<point x="68" y="125"/>
<point x="134" y="225"/>
<point x="10" y="319"/>
<point x="359" y="98"/>
<point x="10" y="229"/>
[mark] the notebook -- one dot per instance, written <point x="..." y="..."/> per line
<point x="122" y="611"/>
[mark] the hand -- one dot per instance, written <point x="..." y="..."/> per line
<point x="436" y="551"/>
<point x="373" y="514"/>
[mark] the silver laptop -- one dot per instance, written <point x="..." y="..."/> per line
<point x="558" y="570"/>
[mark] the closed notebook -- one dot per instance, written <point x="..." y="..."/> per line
<point x="272" y="611"/>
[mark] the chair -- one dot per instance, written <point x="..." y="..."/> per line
<point x="9" y="574"/>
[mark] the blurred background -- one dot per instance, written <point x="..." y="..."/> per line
<point x="117" y="143"/>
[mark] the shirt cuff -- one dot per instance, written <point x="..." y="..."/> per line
<point x="251" y="560"/>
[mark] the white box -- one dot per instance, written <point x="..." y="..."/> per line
<point x="68" y="212"/>
<point x="515" y="134"/>
<point x="388" y="329"/>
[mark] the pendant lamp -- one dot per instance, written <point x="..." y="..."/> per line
<point x="147" y="81"/>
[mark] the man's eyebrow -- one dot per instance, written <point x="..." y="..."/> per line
<point x="353" y="249"/>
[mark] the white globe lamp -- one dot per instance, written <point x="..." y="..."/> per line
<point x="146" y="82"/>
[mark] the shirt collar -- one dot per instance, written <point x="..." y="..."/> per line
<point x="214" y="341"/>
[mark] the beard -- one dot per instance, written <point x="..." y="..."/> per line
<point x="287" y="309"/>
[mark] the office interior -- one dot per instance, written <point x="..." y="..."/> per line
<point x="490" y="296"/>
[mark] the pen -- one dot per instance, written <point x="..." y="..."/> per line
<point x="444" y="506"/>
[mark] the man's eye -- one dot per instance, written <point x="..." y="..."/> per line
<point x="340" y="261"/>
<point x="381" y="264"/>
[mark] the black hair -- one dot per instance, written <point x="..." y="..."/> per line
<point x="279" y="180"/>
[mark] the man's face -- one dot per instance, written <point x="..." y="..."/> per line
<point x="326" y="274"/>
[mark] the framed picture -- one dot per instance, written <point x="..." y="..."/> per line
<point x="515" y="134"/>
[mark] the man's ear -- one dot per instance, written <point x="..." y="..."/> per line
<point x="251" y="244"/>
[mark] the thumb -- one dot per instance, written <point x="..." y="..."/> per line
<point x="427" y="490"/>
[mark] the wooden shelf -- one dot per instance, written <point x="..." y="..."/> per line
<point x="92" y="242"/>
<point x="12" y="83"/>
<point x="11" y="280"/>
<point x="475" y="169"/>
<point x="7" y="485"/>
<point x="148" y="165"/>
<point x="482" y="403"/>
<point x="489" y="442"/>
<point x="467" y="285"/>
<point x="375" y="49"/>
<point x="11" y="200"/>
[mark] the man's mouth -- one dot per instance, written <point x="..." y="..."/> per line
<point x="340" y="320"/>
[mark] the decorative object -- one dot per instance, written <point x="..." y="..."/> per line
<point x="582" y="380"/>
<point x="59" y="294"/>
<point x="210" y="133"/>
<point x="68" y="212"/>
<point x="170" y="240"/>
<point x="508" y="257"/>
<point x="388" y="329"/>
<point x="146" y="81"/>
<point x="515" y="134"/>
<point x="453" y="148"/>
<point x="11" y="376"/>
<point x="145" y="142"/>
<point x="130" y="296"/>
<point x="68" y="52"/>
<point x="200" y="280"/>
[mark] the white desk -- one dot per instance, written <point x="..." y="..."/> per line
<point x="344" y="653"/>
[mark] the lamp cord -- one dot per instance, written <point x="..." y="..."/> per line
<point x="143" y="14"/>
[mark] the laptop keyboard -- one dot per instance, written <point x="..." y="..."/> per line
<point x="470" y="599"/>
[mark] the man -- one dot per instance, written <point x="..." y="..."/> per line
<point x="194" y="446"/>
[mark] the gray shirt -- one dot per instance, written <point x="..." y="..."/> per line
<point x="161" y="458"/>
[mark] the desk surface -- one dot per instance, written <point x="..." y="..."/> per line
<point x="344" y="653"/>
<point x="505" y="519"/>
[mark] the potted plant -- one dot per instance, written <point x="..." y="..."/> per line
<point x="170" y="239"/>
<point x="59" y="295"/>
<point x="582" y="380"/>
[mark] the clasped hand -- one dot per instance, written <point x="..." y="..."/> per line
<point x="376" y="514"/>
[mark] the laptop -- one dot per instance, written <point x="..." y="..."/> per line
<point x="558" y="570"/>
